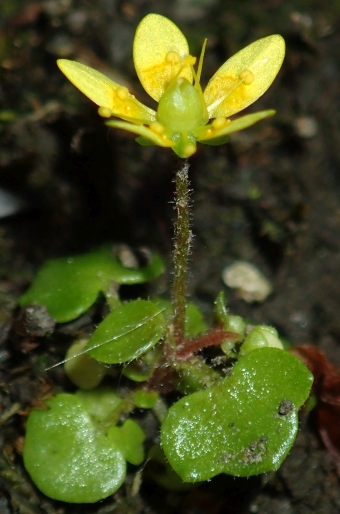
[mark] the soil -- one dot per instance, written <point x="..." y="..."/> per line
<point x="271" y="196"/>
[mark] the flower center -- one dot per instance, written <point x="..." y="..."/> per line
<point x="181" y="108"/>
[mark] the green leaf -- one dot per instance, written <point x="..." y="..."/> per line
<point x="67" y="457"/>
<point x="194" y="375"/>
<point x="127" y="332"/>
<point x="129" y="439"/>
<point x="244" y="426"/>
<point x="260" y="336"/>
<point x="100" y="403"/>
<point x="69" y="286"/>
<point x="140" y="370"/>
<point x="82" y="370"/>
<point x="145" y="399"/>
<point x="159" y="470"/>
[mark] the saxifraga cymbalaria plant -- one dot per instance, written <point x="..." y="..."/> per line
<point x="242" y="423"/>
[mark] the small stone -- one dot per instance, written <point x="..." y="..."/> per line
<point x="251" y="284"/>
<point x="34" y="321"/>
<point x="306" y="127"/>
<point x="285" y="407"/>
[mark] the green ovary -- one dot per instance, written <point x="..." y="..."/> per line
<point x="182" y="108"/>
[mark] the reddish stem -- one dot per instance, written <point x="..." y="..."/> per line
<point x="215" y="337"/>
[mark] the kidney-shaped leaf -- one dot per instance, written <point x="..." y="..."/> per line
<point x="127" y="332"/>
<point x="67" y="457"/>
<point x="242" y="427"/>
<point x="69" y="286"/>
<point x="129" y="438"/>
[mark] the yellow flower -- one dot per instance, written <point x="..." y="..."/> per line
<point x="166" y="71"/>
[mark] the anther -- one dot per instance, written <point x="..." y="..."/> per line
<point x="189" y="150"/>
<point x="104" y="112"/>
<point x="156" y="127"/>
<point x="172" y="57"/>
<point x="218" y="123"/>
<point x="122" y="92"/>
<point x="247" y="77"/>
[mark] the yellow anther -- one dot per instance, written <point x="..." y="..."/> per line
<point x="172" y="57"/>
<point x="122" y="92"/>
<point x="189" y="150"/>
<point x="218" y="123"/>
<point x="157" y="128"/>
<point x="247" y="77"/>
<point x="104" y="112"/>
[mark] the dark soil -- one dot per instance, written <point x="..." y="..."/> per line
<point x="270" y="197"/>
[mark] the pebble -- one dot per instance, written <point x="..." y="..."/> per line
<point x="250" y="283"/>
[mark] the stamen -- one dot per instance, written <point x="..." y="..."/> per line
<point x="247" y="77"/>
<point x="122" y="92"/>
<point x="200" y="64"/>
<point x="104" y="112"/>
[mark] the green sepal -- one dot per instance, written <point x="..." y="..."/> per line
<point x="144" y="141"/>
<point x="216" y="141"/>
<point x="234" y="126"/>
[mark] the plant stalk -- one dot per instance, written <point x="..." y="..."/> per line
<point x="182" y="242"/>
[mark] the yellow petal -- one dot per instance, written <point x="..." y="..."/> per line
<point x="160" y="52"/>
<point x="244" y="77"/>
<point x="105" y="92"/>
<point x="218" y="130"/>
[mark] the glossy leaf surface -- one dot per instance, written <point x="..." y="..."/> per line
<point x="69" y="286"/>
<point x="127" y="332"/>
<point x="100" y="403"/>
<point x="245" y="425"/>
<point x="129" y="438"/>
<point x="67" y="457"/>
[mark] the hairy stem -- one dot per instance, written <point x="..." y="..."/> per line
<point x="182" y="240"/>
